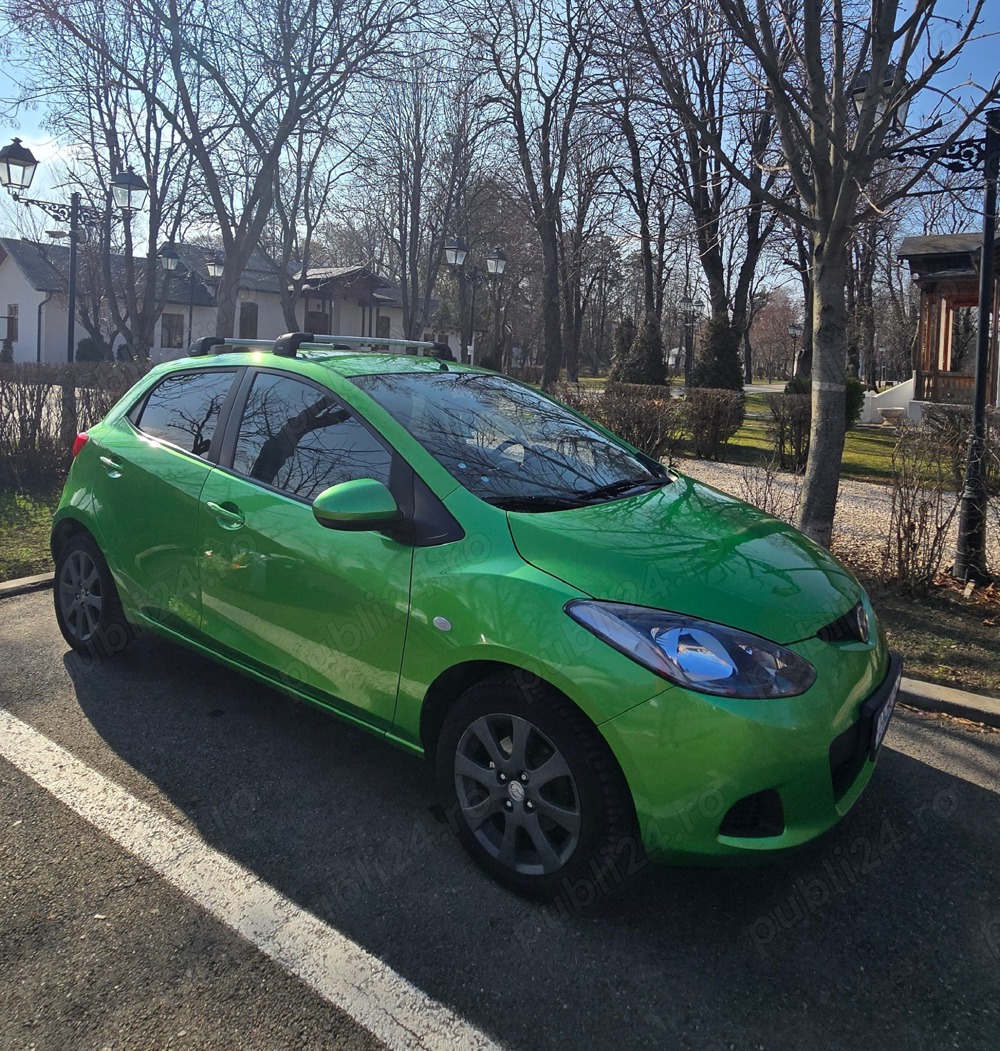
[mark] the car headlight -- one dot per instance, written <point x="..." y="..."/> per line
<point x="696" y="654"/>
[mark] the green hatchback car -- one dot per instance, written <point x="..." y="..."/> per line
<point x="604" y="660"/>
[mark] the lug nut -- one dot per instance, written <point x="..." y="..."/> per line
<point x="508" y="805"/>
<point x="528" y="805"/>
<point x="524" y="777"/>
<point x="503" y="777"/>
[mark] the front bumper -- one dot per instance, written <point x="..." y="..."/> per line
<point x="715" y="778"/>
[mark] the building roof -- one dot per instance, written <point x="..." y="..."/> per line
<point x="45" y="267"/>
<point x="342" y="275"/>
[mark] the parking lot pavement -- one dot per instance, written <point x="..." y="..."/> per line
<point x="887" y="930"/>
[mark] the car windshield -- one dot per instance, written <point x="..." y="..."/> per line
<point x="508" y="444"/>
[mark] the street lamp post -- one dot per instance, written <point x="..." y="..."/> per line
<point x="455" y="252"/>
<point x="690" y="309"/>
<point x="964" y="155"/>
<point x="128" y="193"/>
<point x="170" y="261"/>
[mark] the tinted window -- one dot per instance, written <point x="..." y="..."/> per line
<point x="299" y="439"/>
<point x="184" y="408"/>
<point x="506" y="443"/>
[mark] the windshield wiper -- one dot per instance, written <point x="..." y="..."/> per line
<point x="623" y="485"/>
<point x="539" y="502"/>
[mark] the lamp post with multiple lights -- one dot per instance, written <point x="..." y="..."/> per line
<point x="128" y="193"/>
<point x="170" y="261"/>
<point x="455" y="252"/>
<point x="964" y="155"/>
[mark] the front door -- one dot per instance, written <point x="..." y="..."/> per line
<point x="321" y="610"/>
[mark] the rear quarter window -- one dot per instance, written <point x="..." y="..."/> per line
<point x="184" y="408"/>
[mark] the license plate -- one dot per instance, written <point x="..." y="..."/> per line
<point x="880" y="722"/>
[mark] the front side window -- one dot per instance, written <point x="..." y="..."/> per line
<point x="184" y="408"/>
<point x="297" y="438"/>
<point x="508" y="444"/>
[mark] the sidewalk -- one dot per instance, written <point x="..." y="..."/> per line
<point x="923" y="695"/>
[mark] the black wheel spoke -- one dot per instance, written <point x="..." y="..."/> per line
<point x="508" y="845"/>
<point x="546" y="852"/>
<point x="520" y="732"/>
<point x="567" y="818"/>
<point x="554" y="767"/>
<point x="484" y="734"/>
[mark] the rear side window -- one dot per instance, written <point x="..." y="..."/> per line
<point x="184" y="408"/>
<point x="297" y="438"/>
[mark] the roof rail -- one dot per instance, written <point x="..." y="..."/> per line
<point x="287" y="345"/>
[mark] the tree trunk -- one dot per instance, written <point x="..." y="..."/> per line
<point x="818" y="498"/>
<point x="551" y="313"/>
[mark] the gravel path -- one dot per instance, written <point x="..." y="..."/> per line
<point x="864" y="510"/>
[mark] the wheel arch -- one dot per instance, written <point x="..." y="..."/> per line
<point x="63" y="530"/>
<point x="446" y="689"/>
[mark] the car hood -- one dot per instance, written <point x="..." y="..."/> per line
<point x="690" y="549"/>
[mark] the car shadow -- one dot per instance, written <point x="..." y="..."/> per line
<point x="887" y="913"/>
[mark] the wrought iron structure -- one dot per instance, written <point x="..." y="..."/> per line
<point x="127" y="192"/>
<point x="965" y="155"/>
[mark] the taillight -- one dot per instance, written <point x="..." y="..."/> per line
<point x="79" y="442"/>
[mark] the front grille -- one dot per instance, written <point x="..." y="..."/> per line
<point x="847" y="757"/>
<point x="755" y="816"/>
<point x="851" y="627"/>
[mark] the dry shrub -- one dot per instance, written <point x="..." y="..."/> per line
<point x="42" y="407"/>
<point x="788" y="429"/>
<point x="762" y="486"/>
<point x="924" y="504"/>
<point x="715" y="415"/>
<point x="644" y="415"/>
<point x="951" y="425"/>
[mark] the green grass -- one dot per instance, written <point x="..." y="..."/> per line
<point x="867" y="450"/>
<point x="25" y="521"/>
<point x="756" y="404"/>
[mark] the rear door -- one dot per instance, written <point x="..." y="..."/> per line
<point x="152" y="466"/>
<point x="322" y="610"/>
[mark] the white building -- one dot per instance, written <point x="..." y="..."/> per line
<point x="349" y="301"/>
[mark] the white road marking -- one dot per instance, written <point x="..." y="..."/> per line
<point x="338" y="969"/>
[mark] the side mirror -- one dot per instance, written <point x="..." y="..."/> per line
<point x="358" y="505"/>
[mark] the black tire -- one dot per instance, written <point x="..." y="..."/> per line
<point x="534" y="793"/>
<point x="88" y="610"/>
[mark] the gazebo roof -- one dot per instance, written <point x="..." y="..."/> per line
<point x="943" y="256"/>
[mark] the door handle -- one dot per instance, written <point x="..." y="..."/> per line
<point x="225" y="517"/>
<point x="113" y="467"/>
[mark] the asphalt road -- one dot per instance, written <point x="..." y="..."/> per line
<point x="884" y="934"/>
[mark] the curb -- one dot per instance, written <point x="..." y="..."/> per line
<point x="25" y="584"/>
<point x="944" y="700"/>
<point x="925" y="696"/>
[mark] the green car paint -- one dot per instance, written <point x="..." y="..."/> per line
<point x="385" y="627"/>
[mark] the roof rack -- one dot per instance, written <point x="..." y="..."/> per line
<point x="290" y="343"/>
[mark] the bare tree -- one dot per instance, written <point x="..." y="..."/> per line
<point x="243" y="80"/>
<point x="702" y="88"/>
<point x="808" y="54"/>
<point x="538" y="54"/>
<point x="421" y="163"/>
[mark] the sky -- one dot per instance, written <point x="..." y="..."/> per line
<point x="978" y="63"/>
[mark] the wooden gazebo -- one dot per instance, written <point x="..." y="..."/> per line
<point x="946" y="269"/>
